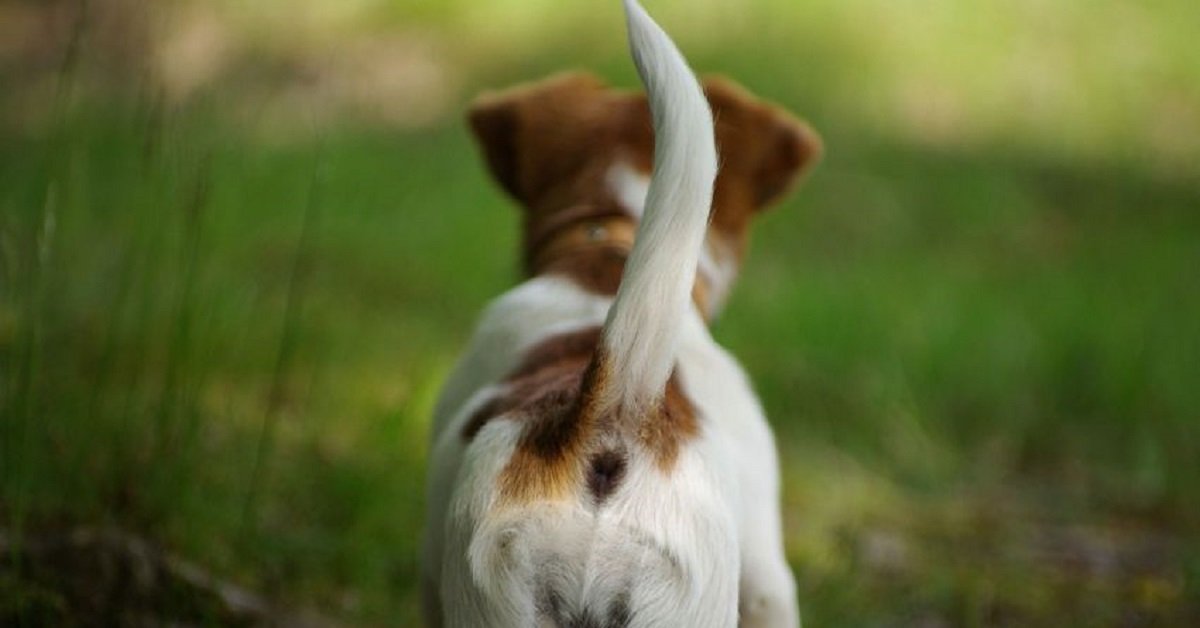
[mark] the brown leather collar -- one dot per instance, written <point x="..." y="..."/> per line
<point x="592" y="233"/>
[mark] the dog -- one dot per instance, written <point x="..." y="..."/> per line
<point x="597" y="459"/>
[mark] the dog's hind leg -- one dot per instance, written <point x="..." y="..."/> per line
<point x="767" y="590"/>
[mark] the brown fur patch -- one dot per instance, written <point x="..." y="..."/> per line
<point x="598" y="270"/>
<point x="675" y="424"/>
<point x="548" y="377"/>
<point x="573" y="346"/>
<point x="590" y="250"/>
<point x="764" y="152"/>
<point x="548" y="459"/>
<point x="552" y="392"/>
<point x="545" y="391"/>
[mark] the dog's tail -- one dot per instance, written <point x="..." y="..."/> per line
<point x="643" y="325"/>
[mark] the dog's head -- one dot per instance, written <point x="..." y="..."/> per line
<point x="571" y="139"/>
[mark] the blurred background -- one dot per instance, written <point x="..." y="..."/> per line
<point x="242" y="243"/>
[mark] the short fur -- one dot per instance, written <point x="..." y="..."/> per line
<point x="597" y="459"/>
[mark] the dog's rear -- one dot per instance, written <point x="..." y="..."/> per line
<point x="543" y="532"/>
<point x="598" y="459"/>
<point x="544" y="528"/>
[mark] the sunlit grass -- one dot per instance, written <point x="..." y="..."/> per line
<point x="1083" y="80"/>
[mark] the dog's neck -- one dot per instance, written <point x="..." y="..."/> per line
<point x="590" y="243"/>
<point x="581" y="235"/>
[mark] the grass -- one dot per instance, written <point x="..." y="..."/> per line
<point x="977" y="337"/>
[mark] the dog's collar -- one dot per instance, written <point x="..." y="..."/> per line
<point x="597" y="232"/>
<point x="589" y="234"/>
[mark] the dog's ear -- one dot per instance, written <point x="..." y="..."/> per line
<point x="534" y="134"/>
<point x="763" y="147"/>
<point x="493" y="118"/>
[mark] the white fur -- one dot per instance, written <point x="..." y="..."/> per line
<point x="717" y="513"/>
<point x="684" y="548"/>
<point x="642" y="329"/>
<point x="669" y="542"/>
<point x="719" y="267"/>
<point x="629" y="186"/>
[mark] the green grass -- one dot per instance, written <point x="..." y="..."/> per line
<point x="977" y="337"/>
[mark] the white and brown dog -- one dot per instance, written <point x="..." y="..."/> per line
<point x="598" y="460"/>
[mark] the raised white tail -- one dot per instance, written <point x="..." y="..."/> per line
<point x="643" y="326"/>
